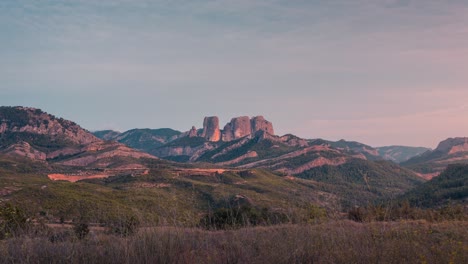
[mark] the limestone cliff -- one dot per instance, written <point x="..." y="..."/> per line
<point x="193" y="132"/>
<point x="243" y="126"/>
<point x="211" y="130"/>
<point x="259" y="123"/>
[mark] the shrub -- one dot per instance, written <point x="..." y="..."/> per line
<point x="356" y="214"/>
<point x="12" y="220"/>
<point x="124" y="227"/>
<point x="241" y="216"/>
<point x="81" y="230"/>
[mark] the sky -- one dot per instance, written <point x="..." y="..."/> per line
<point x="381" y="72"/>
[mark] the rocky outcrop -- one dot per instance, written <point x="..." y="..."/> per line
<point x="32" y="133"/>
<point x="453" y="145"/>
<point x="193" y="132"/>
<point x="211" y="130"/>
<point x="243" y="126"/>
<point x="35" y="121"/>
<point x="259" y="123"/>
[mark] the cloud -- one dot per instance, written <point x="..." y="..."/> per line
<point x="348" y="62"/>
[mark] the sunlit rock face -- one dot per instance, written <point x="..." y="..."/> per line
<point x="243" y="126"/>
<point x="211" y="130"/>
<point x="453" y="145"/>
<point x="259" y="123"/>
<point x="239" y="127"/>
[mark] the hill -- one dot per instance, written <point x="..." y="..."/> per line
<point x="166" y="194"/>
<point x="399" y="154"/>
<point x="432" y="163"/>
<point x="253" y="167"/>
<point x="106" y="134"/>
<point x="142" y="139"/>
<point x="450" y="187"/>
<point x="34" y="134"/>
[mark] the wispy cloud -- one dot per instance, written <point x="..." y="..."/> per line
<point x="317" y="60"/>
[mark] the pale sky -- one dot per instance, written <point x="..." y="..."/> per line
<point x="379" y="72"/>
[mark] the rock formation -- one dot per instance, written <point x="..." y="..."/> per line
<point x="211" y="130"/>
<point x="243" y="126"/>
<point x="34" y="134"/>
<point x="259" y="123"/>
<point x="239" y="127"/>
<point x="34" y="121"/>
<point x="193" y="132"/>
<point x="453" y="145"/>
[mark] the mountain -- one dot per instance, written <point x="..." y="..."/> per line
<point x="352" y="146"/>
<point x="244" y="145"/>
<point x="396" y="154"/>
<point x="432" y="163"/>
<point x="399" y="154"/>
<point x="34" y="134"/>
<point x="451" y="186"/>
<point x="342" y="171"/>
<point x="106" y="134"/>
<point x="142" y="139"/>
<point x="363" y="181"/>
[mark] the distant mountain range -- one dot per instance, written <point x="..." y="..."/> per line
<point x="188" y="146"/>
<point x="342" y="172"/>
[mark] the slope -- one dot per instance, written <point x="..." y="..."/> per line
<point x="451" y="186"/>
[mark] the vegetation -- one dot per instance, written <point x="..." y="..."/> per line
<point x="187" y="142"/>
<point x="403" y="211"/>
<point x="12" y="220"/>
<point x="330" y="242"/>
<point x="400" y="153"/>
<point x="147" y="139"/>
<point x="361" y="182"/>
<point x="449" y="187"/>
<point x="241" y="216"/>
<point x="265" y="148"/>
<point x="247" y="216"/>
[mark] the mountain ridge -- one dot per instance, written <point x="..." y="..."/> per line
<point x="431" y="163"/>
<point x="32" y="133"/>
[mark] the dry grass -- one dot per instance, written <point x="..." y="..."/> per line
<point x="333" y="242"/>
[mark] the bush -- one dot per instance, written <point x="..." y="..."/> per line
<point x="124" y="227"/>
<point x="12" y="221"/>
<point x="241" y="216"/>
<point x="403" y="211"/>
<point x="356" y="214"/>
<point x="81" y="230"/>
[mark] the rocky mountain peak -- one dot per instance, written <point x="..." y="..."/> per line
<point x="258" y="123"/>
<point x="193" y="132"/>
<point x="211" y="130"/>
<point x="453" y="145"/>
<point x="243" y="126"/>
<point x="35" y="121"/>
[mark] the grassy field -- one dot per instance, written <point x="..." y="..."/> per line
<point x="331" y="242"/>
<point x="182" y="215"/>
